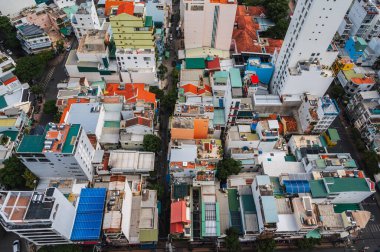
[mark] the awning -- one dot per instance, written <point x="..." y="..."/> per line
<point x="314" y="234"/>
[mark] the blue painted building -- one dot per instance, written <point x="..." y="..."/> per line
<point x="156" y="9"/>
<point x="355" y="47"/>
<point x="264" y="70"/>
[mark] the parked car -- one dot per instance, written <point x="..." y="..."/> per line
<point x="16" y="246"/>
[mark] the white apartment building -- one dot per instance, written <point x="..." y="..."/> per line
<point x="64" y="3"/>
<point x="316" y="114"/>
<point x="33" y="39"/>
<point x="63" y="151"/>
<point x="85" y="19"/>
<point x="371" y="53"/>
<point x="91" y="59"/>
<point x="208" y="24"/>
<point x="43" y="218"/>
<point x="365" y="18"/>
<point x="7" y="65"/>
<point x="303" y="64"/>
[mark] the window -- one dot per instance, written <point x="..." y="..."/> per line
<point x="146" y="58"/>
<point x="31" y="160"/>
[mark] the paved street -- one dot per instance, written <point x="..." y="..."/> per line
<point x="7" y="241"/>
<point x="164" y="133"/>
<point x="54" y="75"/>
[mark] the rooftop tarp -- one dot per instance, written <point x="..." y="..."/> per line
<point x="89" y="215"/>
<point x="195" y="63"/>
<point x="297" y="186"/>
<point x="313" y="234"/>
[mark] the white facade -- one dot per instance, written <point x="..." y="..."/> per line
<point x="371" y="53"/>
<point x="208" y="24"/>
<point x="85" y="19"/>
<point x="7" y="65"/>
<point x="365" y="18"/>
<point x="316" y="114"/>
<point x="55" y="164"/>
<point x="48" y="225"/>
<point x="137" y="66"/>
<point x="64" y="3"/>
<point x="307" y="53"/>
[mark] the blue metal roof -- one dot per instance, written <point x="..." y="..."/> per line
<point x="89" y="215"/>
<point x="297" y="186"/>
<point x="270" y="209"/>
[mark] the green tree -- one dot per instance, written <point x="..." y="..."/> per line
<point x="158" y="187"/>
<point x="158" y="92"/>
<point x="32" y="67"/>
<point x="30" y="179"/>
<point x="11" y="176"/>
<point x="9" y="33"/>
<point x="371" y="162"/>
<point x="152" y="143"/>
<point x="61" y="248"/>
<point x="168" y="101"/>
<point x="162" y="70"/>
<point x="277" y="9"/>
<point x="307" y="243"/>
<point x="37" y="89"/>
<point x="266" y="245"/>
<point x="50" y="108"/>
<point x="278" y="31"/>
<point x="227" y="167"/>
<point x="232" y="240"/>
<point x="175" y="76"/>
<point x="337" y="91"/>
<point x="60" y="46"/>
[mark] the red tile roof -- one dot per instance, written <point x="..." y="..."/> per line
<point x="191" y="88"/>
<point x="138" y="121"/>
<point x="127" y="7"/>
<point x="245" y="35"/>
<point x="131" y="92"/>
<point x="9" y="81"/>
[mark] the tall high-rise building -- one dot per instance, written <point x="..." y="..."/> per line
<point x="304" y="62"/>
<point x="208" y="23"/>
<point x="133" y="34"/>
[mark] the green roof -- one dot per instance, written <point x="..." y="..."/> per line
<point x="333" y="134"/>
<point x="111" y="124"/>
<point x="11" y="134"/>
<point x="320" y="163"/>
<point x="148" y="235"/>
<point x="220" y="76"/>
<point x="3" y="103"/>
<point x="361" y="41"/>
<point x="148" y="21"/>
<point x="233" y="202"/>
<point x="352" y="74"/>
<point x="348" y="185"/>
<point x="31" y="144"/>
<point x="248" y="204"/>
<point x="65" y="31"/>
<point x="350" y="163"/>
<point x="219" y="117"/>
<point x="323" y="141"/>
<point x="314" y="234"/>
<point x="235" y="78"/>
<point x="290" y="158"/>
<point x="318" y="189"/>
<point x="195" y="63"/>
<point x="71" y="137"/>
<point x="70" y="10"/>
<point x="340" y="208"/>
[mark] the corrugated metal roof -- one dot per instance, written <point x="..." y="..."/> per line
<point x="89" y="215"/>
<point x="236" y="81"/>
